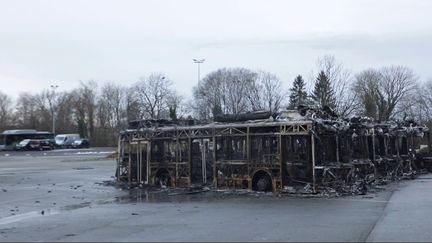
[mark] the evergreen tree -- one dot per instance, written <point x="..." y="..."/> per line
<point x="323" y="93"/>
<point x="217" y="110"/>
<point x="298" y="94"/>
<point x="173" y="113"/>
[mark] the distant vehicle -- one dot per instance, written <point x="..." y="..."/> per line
<point x="66" y="140"/>
<point x="10" y="138"/>
<point x="33" y="144"/>
<point x="51" y="142"/>
<point x="81" y="143"/>
<point x="47" y="143"/>
<point x="23" y="145"/>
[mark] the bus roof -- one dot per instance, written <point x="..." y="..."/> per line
<point x="218" y="125"/>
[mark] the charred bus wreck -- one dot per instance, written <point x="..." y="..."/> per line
<point x="266" y="152"/>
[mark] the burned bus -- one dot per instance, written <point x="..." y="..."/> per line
<point x="265" y="153"/>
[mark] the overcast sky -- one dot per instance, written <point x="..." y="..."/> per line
<point x="63" y="42"/>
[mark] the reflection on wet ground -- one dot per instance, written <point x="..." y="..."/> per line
<point x="153" y="194"/>
<point x="195" y="194"/>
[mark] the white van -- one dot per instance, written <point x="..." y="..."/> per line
<point x="66" y="140"/>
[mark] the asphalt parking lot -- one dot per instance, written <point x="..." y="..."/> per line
<point x="100" y="151"/>
<point x="66" y="196"/>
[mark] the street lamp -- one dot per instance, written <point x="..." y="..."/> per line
<point x="53" y="87"/>
<point x="198" y="61"/>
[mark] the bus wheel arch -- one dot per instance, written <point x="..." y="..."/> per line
<point x="162" y="178"/>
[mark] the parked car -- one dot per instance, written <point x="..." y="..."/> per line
<point x="23" y="145"/>
<point x="66" y="140"/>
<point x="81" y="143"/>
<point x="33" y="144"/>
<point x="47" y="144"/>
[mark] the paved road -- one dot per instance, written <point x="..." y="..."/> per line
<point x="96" y="151"/>
<point x="56" y="198"/>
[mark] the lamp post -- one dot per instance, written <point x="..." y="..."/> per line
<point x="198" y="61"/>
<point x="53" y="87"/>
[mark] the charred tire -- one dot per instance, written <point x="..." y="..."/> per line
<point x="163" y="179"/>
<point x="262" y="182"/>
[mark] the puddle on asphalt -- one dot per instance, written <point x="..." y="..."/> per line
<point x="155" y="194"/>
<point x="140" y="195"/>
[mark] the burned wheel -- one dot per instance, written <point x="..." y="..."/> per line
<point x="163" y="179"/>
<point x="262" y="182"/>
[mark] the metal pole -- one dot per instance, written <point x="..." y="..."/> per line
<point x="203" y="161"/>
<point x="53" y="124"/>
<point x="148" y="162"/>
<point x="138" y="163"/>
<point x="337" y="148"/>
<point x="199" y="77"/>
<point x="313" y="163"/>
<point x="373" y="154"/>
<point x="130" y="162"/>
<point x="198" y="61"/>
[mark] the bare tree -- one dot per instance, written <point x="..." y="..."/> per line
<point x="383" y="91"/>
<point x="200" y="105"/>
<point x="132" y="105"/>
<point x="65" y="122"/>
<point x="266" y="92"/>
<point x="112" y="105"/>
<point x="26" y="111"/>
<point x="224" y="91"/>
<point x="84" y="105"/>
<point x="43" y="102"/>
<point x="5" y="111"/>
<point x="417" y="105"/>
<point x="47" y="101"/>
<point x="152" y="94"/>
<point x="425" y="101"/>
<point x="237" y="84"/>
<point x="36" y="110"/>
<point x="396" y="83"/>
<point x="366" y="87"/>
<point x="110" y="113"/>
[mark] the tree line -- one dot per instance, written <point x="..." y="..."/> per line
<point x="99" y="112"/>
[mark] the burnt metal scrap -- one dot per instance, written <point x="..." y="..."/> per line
<point x="257" y="115"/>
<point x="311" y="149"/>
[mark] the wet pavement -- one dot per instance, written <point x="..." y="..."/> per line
<point x="70" y="198"/>
<point x="99" y="151"/>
